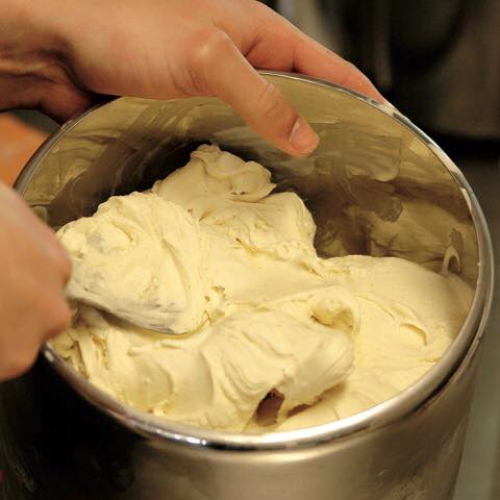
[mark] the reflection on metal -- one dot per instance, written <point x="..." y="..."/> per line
<point x="370" y="165"/>
<point x="367" y="166"/>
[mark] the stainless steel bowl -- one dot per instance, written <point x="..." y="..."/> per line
<point x="370" y="157"/>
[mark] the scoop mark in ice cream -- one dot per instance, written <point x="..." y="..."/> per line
<point x="274" y="337"/>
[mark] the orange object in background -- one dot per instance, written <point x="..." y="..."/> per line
<point x="18" y="142"/>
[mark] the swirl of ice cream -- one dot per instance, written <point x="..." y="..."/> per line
<point x="275" y="337"/>
<point x="140" y="257"/>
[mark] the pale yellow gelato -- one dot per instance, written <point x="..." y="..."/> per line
<point x="269" y="335"/>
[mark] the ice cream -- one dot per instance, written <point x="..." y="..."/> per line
<point x="449" y="243"/>
<point x="269" y="335"/>
<point x="141" y="255"/>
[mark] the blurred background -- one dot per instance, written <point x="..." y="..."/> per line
<point x="438" y="61"/>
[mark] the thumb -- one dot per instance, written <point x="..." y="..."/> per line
<point x="270" y="114"/>
<point x="64" y="101"/>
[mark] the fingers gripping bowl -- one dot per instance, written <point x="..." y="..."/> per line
<point x="373" y="168"/>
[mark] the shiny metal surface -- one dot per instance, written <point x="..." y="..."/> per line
<point x="371" y="157"/>
<point x="478" y="477"/>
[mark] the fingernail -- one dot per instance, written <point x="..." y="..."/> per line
<point x="303" y="138"/>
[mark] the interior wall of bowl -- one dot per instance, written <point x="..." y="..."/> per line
<point x="367" y="167"/>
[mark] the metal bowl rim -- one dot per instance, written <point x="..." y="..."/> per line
<point x="406" y="402"/>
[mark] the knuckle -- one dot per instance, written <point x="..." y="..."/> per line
<point x="207" y="45"/>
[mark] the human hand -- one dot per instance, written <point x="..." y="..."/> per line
<point x="34" y="268"/>
<point x="171" y="49"/>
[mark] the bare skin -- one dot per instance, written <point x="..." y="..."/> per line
<point x="35" y="269"/>
<point x="58" y="55"/>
